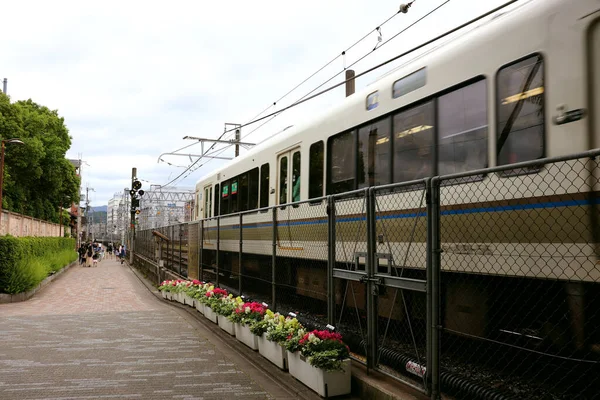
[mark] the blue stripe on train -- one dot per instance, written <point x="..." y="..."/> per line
<point x="516" y="207"/>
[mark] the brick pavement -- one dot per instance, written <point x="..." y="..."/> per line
<point x="100" y="333"/>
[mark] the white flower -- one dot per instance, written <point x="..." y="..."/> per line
<point x="247" y="310"/>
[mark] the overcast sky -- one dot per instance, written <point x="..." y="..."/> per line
<point x="133" y="78"/>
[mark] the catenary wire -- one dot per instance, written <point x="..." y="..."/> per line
<point x="293" y="89"/>
<point x="364" y="73"/>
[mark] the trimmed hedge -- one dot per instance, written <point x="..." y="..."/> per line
<point x="26" y="261"/>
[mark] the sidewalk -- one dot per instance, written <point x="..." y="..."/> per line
<point x="102" y="333"/>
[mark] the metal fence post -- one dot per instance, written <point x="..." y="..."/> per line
<point x="240" y="274"/>
<point x="180" y="236"/>
<point x="330" y="259"/>
<point x="436" y="251"/>
<point x="273" y="260"/>
<point x="200" y="250"/>
<point x="218" y="247"/>
<point x="371" y="288"/>
<point x="200" y="245"/>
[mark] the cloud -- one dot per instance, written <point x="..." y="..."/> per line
<point x="132" y="78"/>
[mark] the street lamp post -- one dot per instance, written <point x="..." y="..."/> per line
<point x="2" y="169"/>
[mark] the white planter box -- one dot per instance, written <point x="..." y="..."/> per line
<point x="210" y="314"/>
<point x="243" y="334"/>
<point x="188" y="300"/>
<point x="164" y="294"/>
<point x="169" y="296"/>
<point x="272" y="351"/>
<point x="200" y="307"/>
<point x="226" y="325"/>
<point x="179" y="297"/>
<point x="326" y="384"/>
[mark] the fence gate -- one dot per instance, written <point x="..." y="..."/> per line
<point x="347" y="284"/>
<point x="400" y="257"/>
<point x="378" y="244"/>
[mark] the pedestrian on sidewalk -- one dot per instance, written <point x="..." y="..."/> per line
<point x="109" y="249"/>
<point x="81" y="250"/>
<point x="89" y="254"/>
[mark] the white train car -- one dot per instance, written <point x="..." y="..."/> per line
<point x="522" y="86"/>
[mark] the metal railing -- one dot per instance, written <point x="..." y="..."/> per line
<point x="484" y="282"/>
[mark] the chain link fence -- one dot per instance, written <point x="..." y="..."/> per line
<point x="520" y="279"/>
<point x="484" y="284"/>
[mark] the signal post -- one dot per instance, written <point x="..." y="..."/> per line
<point x="135" y="192"/>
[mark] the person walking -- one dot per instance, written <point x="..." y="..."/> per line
<point x="89" y="254"/>
<point x="81" y="252"/>
<point x="123" y="254"/>
<point x="109" y="249"/>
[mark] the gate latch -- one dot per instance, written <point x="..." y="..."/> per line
<point x="376" y="281"/>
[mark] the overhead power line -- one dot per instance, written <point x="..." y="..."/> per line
<point x="403" y="9"/>
<point x="305" y="99"/>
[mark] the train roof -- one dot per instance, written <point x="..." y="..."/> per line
<point x="455" y="45"/>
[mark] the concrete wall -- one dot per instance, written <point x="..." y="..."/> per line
<point x="21" y="225"/>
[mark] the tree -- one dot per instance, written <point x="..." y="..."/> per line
<point x="38" y="177"/>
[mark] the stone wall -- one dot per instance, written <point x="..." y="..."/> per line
<point x="19" y="225"/>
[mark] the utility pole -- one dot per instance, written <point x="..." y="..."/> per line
<point x="4" y="85"/>
<point x="90" y="215"/>
<point x="238" y="131"/>
<point x="350" y="82"/>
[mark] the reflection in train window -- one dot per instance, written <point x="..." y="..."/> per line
<point x="315" y="170"/>
<point x="217" y="200"/>
<point x="409" y="83"/>
<point x="296" y="176"/>
<point x="283" y="183"/>
<point x="252" y="189"/>
<point x="374" y="154"/>
<point x="342" y="156"/>
<point x="413" y="143"/>
<point x="264" y="185"/>
<point x="463" y="129"/>
<point x="520" y="102"/>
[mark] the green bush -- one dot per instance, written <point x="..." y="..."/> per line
<point x="25" y="262"/>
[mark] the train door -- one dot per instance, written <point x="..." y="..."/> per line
<point x="288" y="191"/>
<point x="207" y="206"/>
<point x="288" y="177"/>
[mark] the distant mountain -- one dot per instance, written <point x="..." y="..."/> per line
<point x="99" y="208"/>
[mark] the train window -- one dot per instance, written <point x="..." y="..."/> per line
<point x="315" y="170"/>
<point x="413" y="143"/>
<point x="234" y="196"/>
<point x="296" y="176"/>
<point x="409" y="83"/>
<point x="253" y="189"/>
<point x="372" y="101"/>
<point x="520" y="107"/>
<point x="225" y="198"/>
<point x="342" y="162"/>
<point x="463" y="129"/>
<point x="264" y="186"/>
<point x="243" y="192"/>
<point x="283" y="180"/>
<point x="374" y="154"/>
<point x="208" y="202"/>
<point x="217" y="200"/>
